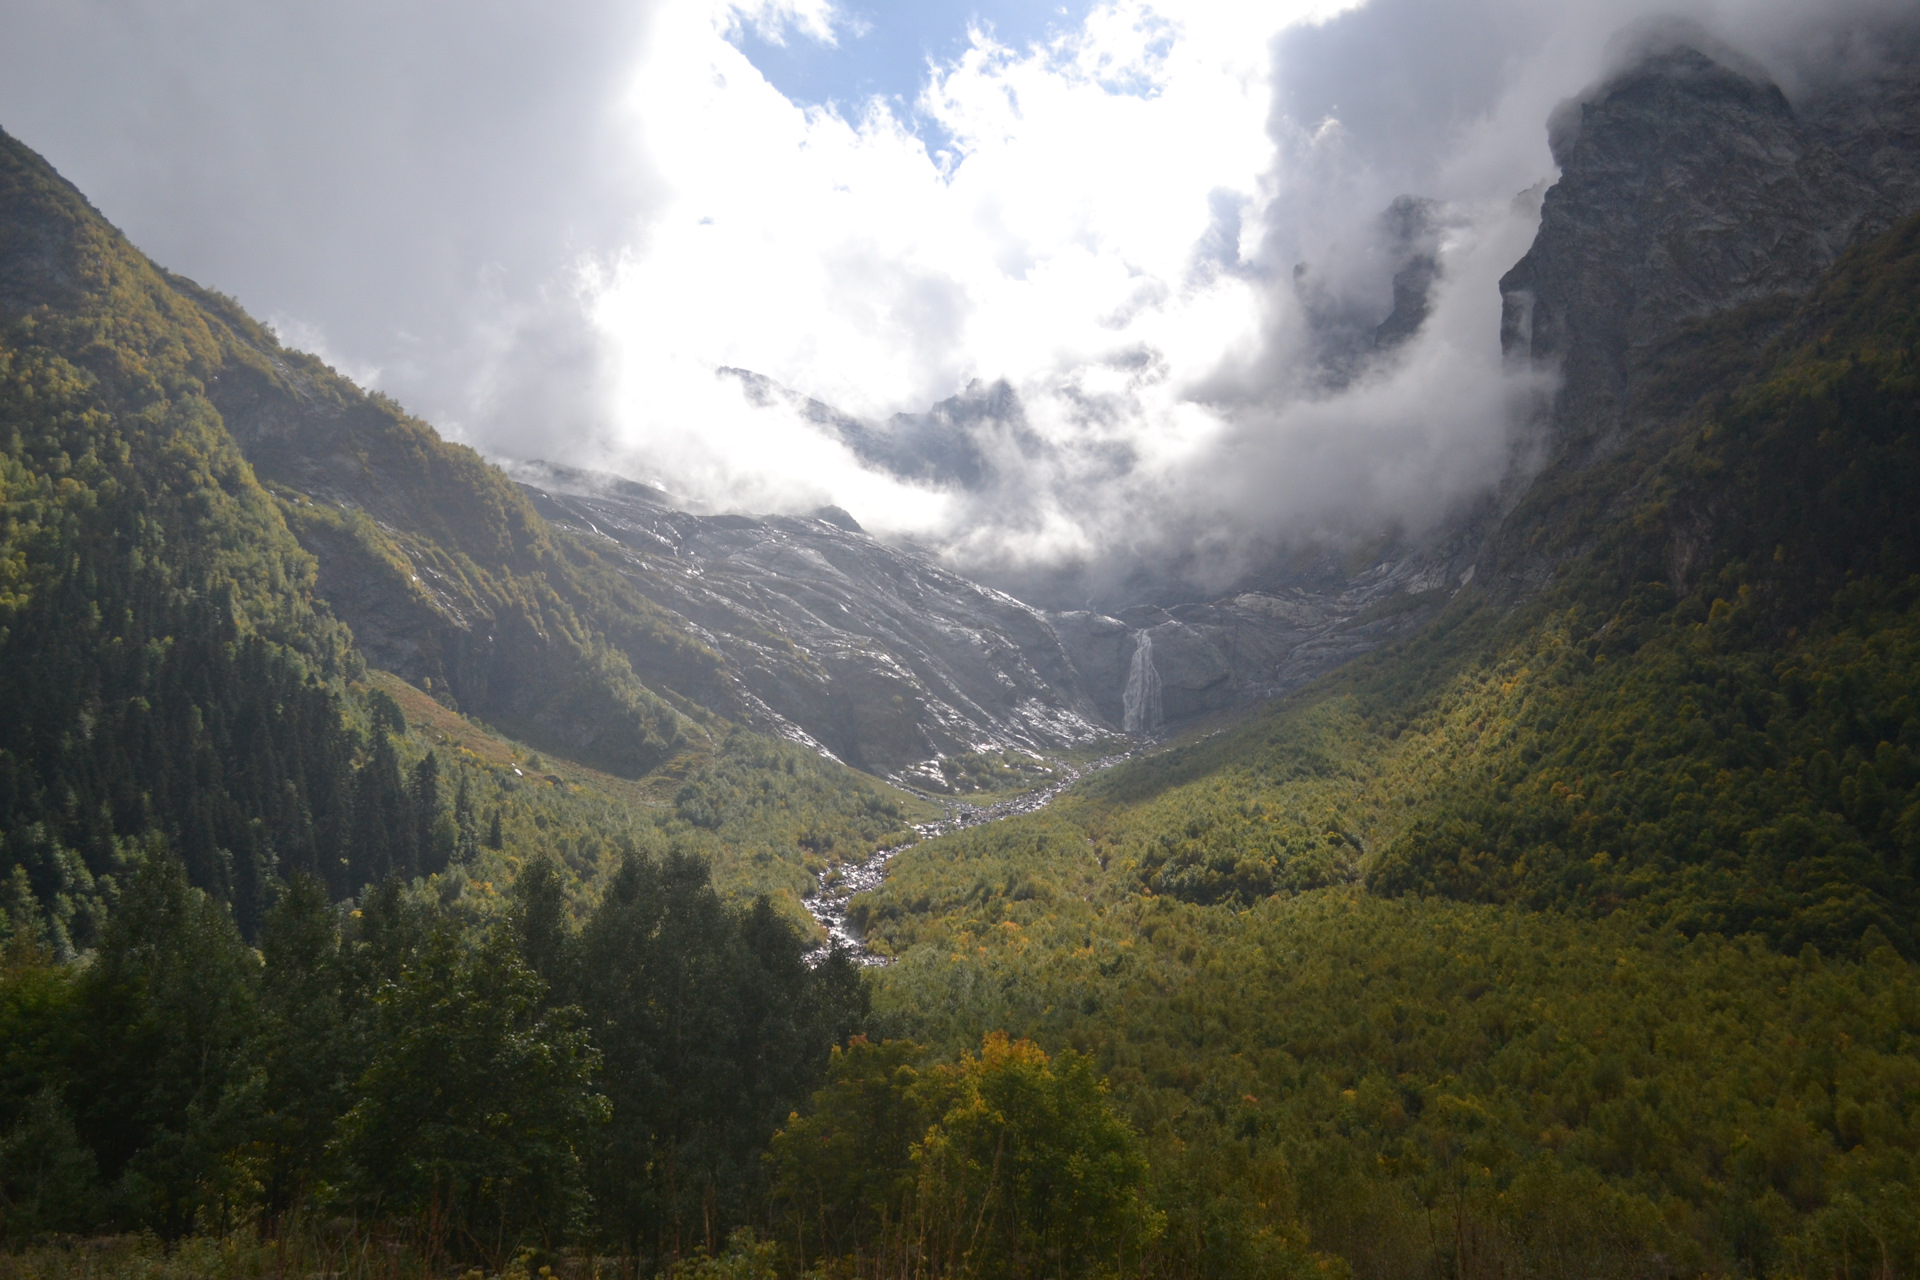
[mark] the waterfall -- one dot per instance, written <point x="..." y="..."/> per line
<point x="1141" y="700"/>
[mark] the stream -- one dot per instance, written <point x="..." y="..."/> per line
<point x="828" y="902"/>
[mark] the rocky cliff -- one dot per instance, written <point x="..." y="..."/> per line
<point x="1687" y="187"/>
<point x="873" y="652"/>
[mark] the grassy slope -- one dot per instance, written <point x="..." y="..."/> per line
<point x="1672" y="799"/>
<point x="769" y="816"/>
<point x="127" y="397"/>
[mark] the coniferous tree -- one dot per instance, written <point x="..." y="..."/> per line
<point x="433" y="834"/>
<point x="713" y="1029"/>
<point x="465" y="821"/>
<point x="542" y="924"/>
<point x="309" y="1051"/>
<point x="475" y="1105"/>
<point x="159" y="1082"/>
<point x="383" y="828"/>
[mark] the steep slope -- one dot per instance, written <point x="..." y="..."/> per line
<point x="173" y="665"/>
<point x="1457" y="960"/>
<point x="434" y="559"/>
<point x="882" y="656"/>
<point x="900" y="666"/>
<point x="164" y="666"/>
<point x="1686" y="187"/>
<point x="446" y="574"/>
<point x="1745" y="745"/>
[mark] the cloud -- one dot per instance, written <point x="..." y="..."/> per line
<point x="547" y="226"/>
<point x="1051" y="245"/>
<point x="1116" y="230"/>
<point x="412" y="181"/>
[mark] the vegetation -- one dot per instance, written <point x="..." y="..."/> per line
<point x="473" y="1088"/>
<point x="196" y="761"/>
<point x="1005" y="1162"/>
<point x="1573" y="936"/>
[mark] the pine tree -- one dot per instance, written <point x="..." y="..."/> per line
<point x="159" y="1074"/>
<point x="383" y="827"/>
<point x="464" y="820"/>
<point x="433" y="833"/>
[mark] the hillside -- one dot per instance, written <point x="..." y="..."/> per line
<point x="230" y="838"/>
<point x="1490" y="926"/>
<point x="214" y="546"/>
<point x="398" y="884"/>
<point x="433" y="558"/>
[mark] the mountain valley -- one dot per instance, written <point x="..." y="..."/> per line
<point x="406" y="856"/>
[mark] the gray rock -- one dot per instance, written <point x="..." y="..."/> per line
<point x="874" y="653"/>
<point x="950" y="445"/>
<point x="1375" y="295"/>
<point x="1687" y="187"/>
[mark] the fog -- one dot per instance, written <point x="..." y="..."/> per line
<point x="545" y="228"/>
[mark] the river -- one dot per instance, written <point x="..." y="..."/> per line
<point x="828" y="902"/>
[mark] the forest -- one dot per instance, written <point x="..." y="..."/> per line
<point x="1572" y="935"/>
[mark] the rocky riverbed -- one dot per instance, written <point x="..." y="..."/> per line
<point x="828" y="903"/>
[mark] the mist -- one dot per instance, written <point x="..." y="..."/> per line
<point x="1165" y="230"/>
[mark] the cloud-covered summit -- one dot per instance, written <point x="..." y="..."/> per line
<point x="1230" y="272"/>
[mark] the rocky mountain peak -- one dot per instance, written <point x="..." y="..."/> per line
<point x="1687" y="186"/>
<point x="1372" y="295"/>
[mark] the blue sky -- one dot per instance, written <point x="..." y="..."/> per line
<point x="883" y="48"/>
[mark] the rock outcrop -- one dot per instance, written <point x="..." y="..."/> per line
<point x="874" y="653"/>
<point x="1375" y="295"/>
<point x="1687" y="187"/>
<point x="952" y="445"/>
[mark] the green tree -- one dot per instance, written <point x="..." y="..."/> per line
<point x="475" y="1109"/>
<point x="160" y="1090"/>
<point x="541" y="921"/>
<point x="843" y="1172"/>
<point x="311" y="1047"/>
<point x="713" y="1028"/>
<point x="1007" y="1163"/>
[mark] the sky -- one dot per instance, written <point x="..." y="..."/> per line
<point x="544" y="227"/>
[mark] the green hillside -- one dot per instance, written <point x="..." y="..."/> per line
<point x="285" y="937"/>
<point x="389" y="892"/>
<point x="162" y="659"/>
<point x="1575" y="935"/>
<point x="191" y="510"/>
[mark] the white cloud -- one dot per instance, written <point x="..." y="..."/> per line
<point x="1052" y="245"/>
<point x="1112" y="229"/>
<point x="544" y="227"/>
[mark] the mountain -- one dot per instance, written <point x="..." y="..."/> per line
<point x="1348" y="328"/>
<point x="218" y="561"/>
<point x="1688" y="187"/>
<point x="1570" y="931"/>
<point x="902" y="667"/>
<point x="838" y="640"/>
<point x="1554" y="915"/>
<point x="951" y="445"/>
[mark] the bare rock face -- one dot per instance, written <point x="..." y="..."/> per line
<point x="1351" y="318"/>
<point x="1688" y="187"/>
<point x="874" y="653"/>
<point x="892" y="662"/>
<point x="1870" y="118"/>
<point x="1101" y="650"/>
<point x="952" y="444"/>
